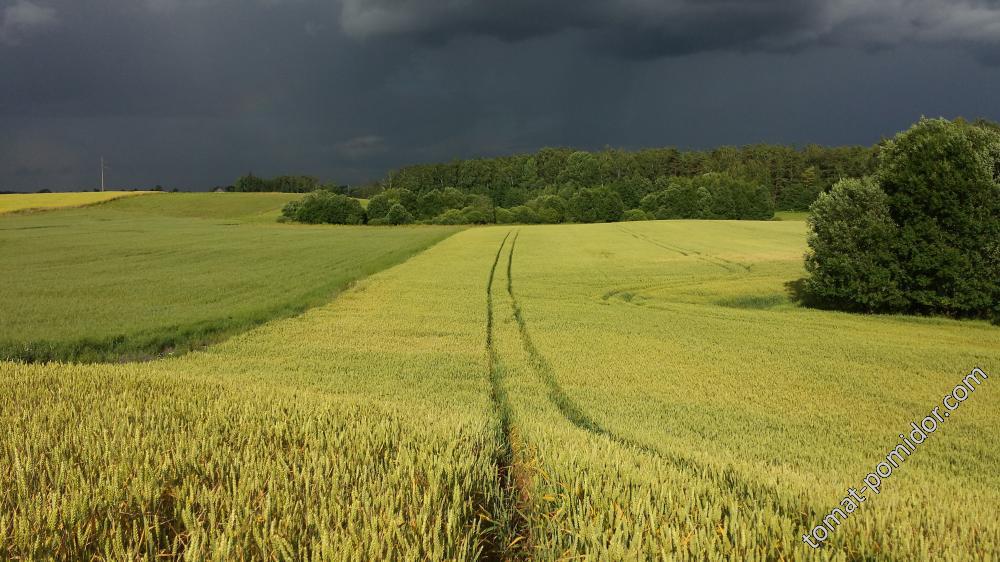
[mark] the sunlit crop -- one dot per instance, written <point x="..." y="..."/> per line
<point x="154" y="275"/>
<point x="14" y="202"/>
<point x="605" y="392"/>
<point x="674" y="403"/>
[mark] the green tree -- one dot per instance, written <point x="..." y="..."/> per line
<point x="453" y="198"/>
<point x="942" y="179"/>
<point x="596" y="205"/>
<point x="379" y="205"/>
<point x="451" y="216"/>
<point x="250" y="182"/>
<point x="851" y="261"/>
<point x="431" y="204"/>
<point x="550" y="209"/>
<point x="580" y="169"/>
<point x="525" y="215"/>
<point x="505" y="216"/>
<point x="398" y="215"/>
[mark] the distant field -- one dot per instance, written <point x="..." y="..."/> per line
<point x="139" y="276"/>
<point x="790" y="215"/>
<point x="247" y="207"/>
<point x="14" y="202"/>
<point x="632" y="391"/>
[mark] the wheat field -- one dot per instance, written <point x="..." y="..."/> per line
<point x="21" y="202"/>
<point x="636" y="391"/>
<point x="148" y="276"/>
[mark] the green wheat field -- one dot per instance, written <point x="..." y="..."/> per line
<point x="186" y="378"/>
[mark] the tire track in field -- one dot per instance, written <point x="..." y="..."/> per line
<point x="714" y="260"/>
<point x="557" y="396"/>
<point x="725" y="478"/>
<point x="508" y="524"/>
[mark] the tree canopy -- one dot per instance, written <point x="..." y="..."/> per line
<point x="923" y="234"/>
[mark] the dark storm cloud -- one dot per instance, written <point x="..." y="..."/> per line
<point x="23" y="17"/>
<point x="651" y="28"/>
<point x="192" y="93"/>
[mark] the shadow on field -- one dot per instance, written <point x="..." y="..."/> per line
<point x="798" y="293"/>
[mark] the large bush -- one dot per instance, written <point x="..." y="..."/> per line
<point x="925" y="238"/>
<point x="322" y="206"/>
<point x="451" y="216"/>
<point x="852" y="265"/>
<point x="635" y="215"/>
<point x="398" y="215"/>
<point x="504" y="216"/>
<point x="380" y="205"/>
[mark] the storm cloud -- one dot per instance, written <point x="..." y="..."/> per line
<point x="22" y="17"/>
<point x="651" y="28"/>
<point x="192" y="93"/>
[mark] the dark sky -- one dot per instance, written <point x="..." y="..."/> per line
<point x="193" y="93"/>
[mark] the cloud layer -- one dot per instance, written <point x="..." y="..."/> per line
<point x="193" y="93"/>
<point x="23" y="17"/>
<point x="651" y="28"/>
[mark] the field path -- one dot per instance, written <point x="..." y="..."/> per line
<point x="509" y="525"/>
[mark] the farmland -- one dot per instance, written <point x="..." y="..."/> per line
<point x="151" y="274"/>
<point x="634" y="391"/>
<point x="12" y="203"/>
<point x="244" y="207"/>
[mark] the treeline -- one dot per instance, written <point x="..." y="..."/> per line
<point x="793" y="177"/>
<point x="283" y="184"/>
<point x="557" y="185"/>
<point x="709" y="196"/>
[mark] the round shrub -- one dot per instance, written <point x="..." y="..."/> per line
<point x="524" y="214"/>
<point x="322" y="206"/>
<point x="635" y="215"/>
<point x="398" y="215"/>
<point x="477" y="214"/>
<point x="451" y="216"/>
<point x="504" y="216"/>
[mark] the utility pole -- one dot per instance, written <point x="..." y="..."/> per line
<point x="102" y="173"/>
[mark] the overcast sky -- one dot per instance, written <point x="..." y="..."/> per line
<point x="193" y="93"/>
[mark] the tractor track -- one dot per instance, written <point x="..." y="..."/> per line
<point x="509" y="527"/>
<point x="725" y="478"/>
<point x="728" y="265"/>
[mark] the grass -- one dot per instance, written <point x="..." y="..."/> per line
<point x="17" y="202"/>
<point x="607" y="392"/>
<point x="791" y="215"/>
<point x="245" y="207"/>
<point x="140" y="277"/>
